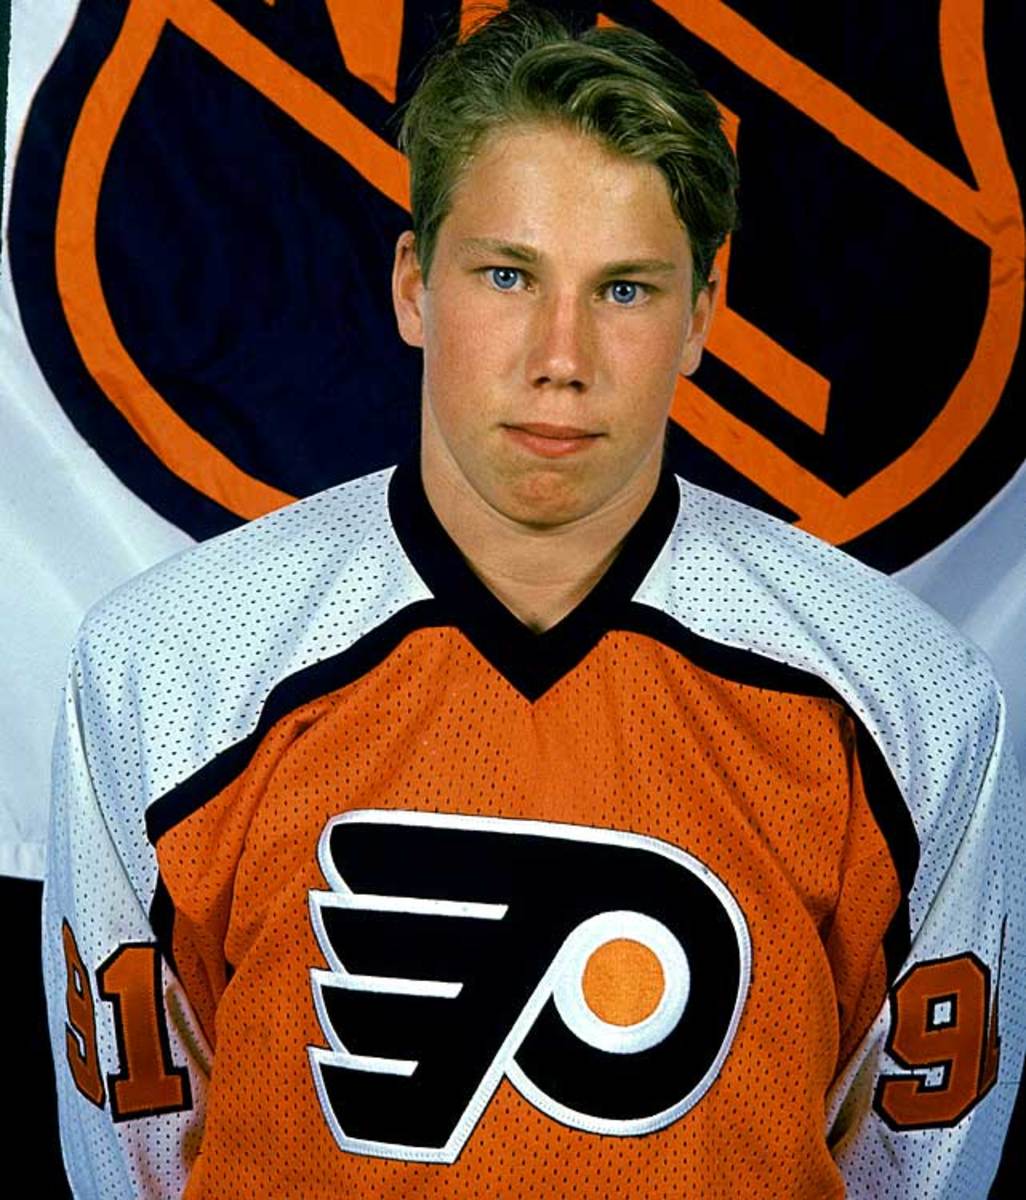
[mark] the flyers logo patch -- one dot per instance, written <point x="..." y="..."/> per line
<point x="602" y="973"/>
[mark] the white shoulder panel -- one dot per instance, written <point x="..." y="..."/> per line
<point x="175" y="666"/>
<point x="741" y="578"/>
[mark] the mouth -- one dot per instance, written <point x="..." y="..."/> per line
<point x="552" y="441"/>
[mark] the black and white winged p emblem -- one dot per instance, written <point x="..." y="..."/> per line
<point x="602" y="973"/>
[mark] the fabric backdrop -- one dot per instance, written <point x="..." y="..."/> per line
<point x="200" y="203"/>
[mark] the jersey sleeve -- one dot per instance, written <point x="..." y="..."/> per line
<point x="923" y="1104"/>
<point x="131" y="1063"/>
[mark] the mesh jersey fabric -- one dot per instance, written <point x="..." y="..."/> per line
<point x="358" y="887"/>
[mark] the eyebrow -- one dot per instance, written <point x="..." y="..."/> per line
<point x="514" y="250"/>
<point x="641" y="266"/>
<point x="519" y="252"/>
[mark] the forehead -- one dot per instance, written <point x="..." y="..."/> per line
<point x="556" y="187"/>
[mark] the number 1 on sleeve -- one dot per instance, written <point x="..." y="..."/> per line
<point x="148" y="1081"/>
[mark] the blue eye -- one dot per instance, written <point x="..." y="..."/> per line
<point x="624" y="292"/>
<point x="504" y="278"/>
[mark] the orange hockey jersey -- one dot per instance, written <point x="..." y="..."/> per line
<point x="360" y="888"/>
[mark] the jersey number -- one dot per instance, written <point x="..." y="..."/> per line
<point x="148" y="1082"/>
<point x="941" y="1023"/>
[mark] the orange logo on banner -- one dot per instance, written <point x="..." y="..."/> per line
<point x="177" y="444"/>
<point x="369" y="34"/>
<point x="992" y="214"/>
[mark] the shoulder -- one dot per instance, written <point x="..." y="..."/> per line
<point x="175" y="666"/>
<point x="748" y="580"/>
<point x="279" y="558"/>
<point x="924" y="693"/>
<point x="744" y="574"/>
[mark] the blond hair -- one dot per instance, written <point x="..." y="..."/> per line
<point x="525" y="67"/>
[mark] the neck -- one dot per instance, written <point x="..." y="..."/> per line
<point x="540" y="573"/>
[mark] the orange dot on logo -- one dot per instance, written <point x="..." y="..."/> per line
<point x="623" y="982"/>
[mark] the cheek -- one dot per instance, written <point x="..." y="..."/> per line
<point x="649" y="361"/>
<point x="456" y="325"/>
<point x="453" y="372"/>
<point x="444" y="353"/>
<point x="474" y="345"/>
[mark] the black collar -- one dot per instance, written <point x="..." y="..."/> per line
<point x="531" y="662"/>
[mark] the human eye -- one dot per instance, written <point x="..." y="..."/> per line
<point x="504" y="279"/>
<point x="627" y="293"/>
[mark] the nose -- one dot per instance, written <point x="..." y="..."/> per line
<point x="561" y="353"/>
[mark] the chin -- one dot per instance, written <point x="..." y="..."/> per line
<point x="544" y="504"/>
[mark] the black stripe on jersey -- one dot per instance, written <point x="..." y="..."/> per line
<point x="531" y="662"/>
<point x="895" y="823"/>
<point x="318" y="679"/>
<point x="162" y="922"/>
<point x="729" y="662"/>
<point x="882" y="792"/>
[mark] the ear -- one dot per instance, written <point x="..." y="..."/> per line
<point x="701" y="319"/>
<point x="408" y="291"/>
